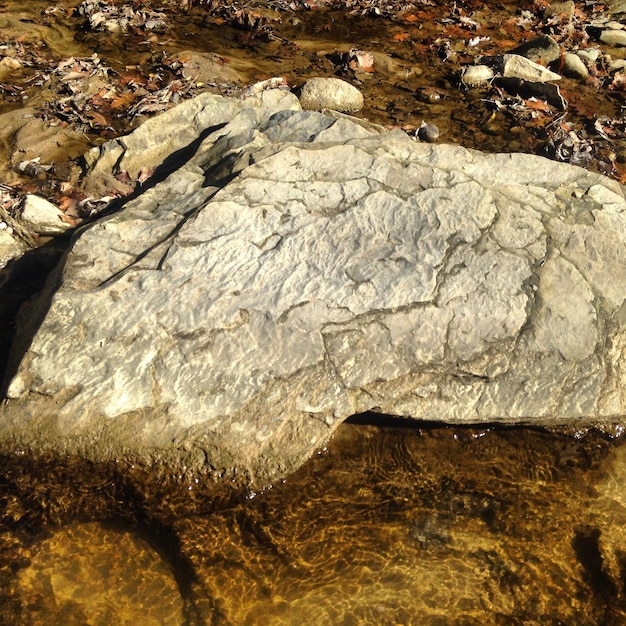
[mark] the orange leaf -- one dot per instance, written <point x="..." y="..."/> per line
<point x="401" y="36"/>
<point x="123" y="101"/>
<point x="538" y="105"/>
<point x="411" y="18"/>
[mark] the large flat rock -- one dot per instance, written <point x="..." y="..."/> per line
<point x="294" y="269"/>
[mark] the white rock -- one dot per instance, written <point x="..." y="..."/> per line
<point x="516" y="66"/>
<point x="573" y="66"/>
<point x="10" y="248"/>
<point x="476" y="75"/>
<point x="330" y="93"/>
<point x="589" y="55"/>
<point x="613" y="37"/>
<point x="43" y="217"/>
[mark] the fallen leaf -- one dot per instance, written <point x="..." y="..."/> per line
<point x="401" y="36"/>
<point x="537" y="105"/>
<point x="123" y="101"/>
<point x="98" y="118"/>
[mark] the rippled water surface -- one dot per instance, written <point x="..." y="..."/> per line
<point x="388" y="525"/>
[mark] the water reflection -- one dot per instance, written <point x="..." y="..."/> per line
<point x="388" y="525"/>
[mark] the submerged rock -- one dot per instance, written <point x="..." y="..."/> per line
<point x="294" y="269"/>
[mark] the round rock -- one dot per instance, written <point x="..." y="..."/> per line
<point x="476" y="75"/>
<point x="428" y="133"/>
<point x="330" y="93"/>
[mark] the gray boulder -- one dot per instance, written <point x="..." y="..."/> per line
<point x="296" y="269"/>
<point x="516" y="66"/>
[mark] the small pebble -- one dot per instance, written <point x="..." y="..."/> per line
<point x="428" y="133"/>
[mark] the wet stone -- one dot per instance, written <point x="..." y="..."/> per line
<point x="428" y="133"/>
<point x="330" y="93"/>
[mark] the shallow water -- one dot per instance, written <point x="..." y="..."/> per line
<point x="388" y="525"/>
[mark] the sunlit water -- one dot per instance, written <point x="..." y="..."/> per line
<point x="387" y="525"/>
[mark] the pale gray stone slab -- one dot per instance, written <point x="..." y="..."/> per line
<point x="297" y="269"/>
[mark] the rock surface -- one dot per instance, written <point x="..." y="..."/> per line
<point x="294" y="269"/>
<point x="10" y="247"/>
<point x="613" y="37"/>
<point x="476" y="75"/>
<point x="43" y="217"/>
<point x="573" y="66"/>
<point x="516" y="66"/>
<point x="330" y="93"/>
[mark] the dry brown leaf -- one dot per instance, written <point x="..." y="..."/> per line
<point x="123" y="101"/>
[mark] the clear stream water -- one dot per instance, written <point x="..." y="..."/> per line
<point x="394" y="522"/>
<point x="390" y="524"/>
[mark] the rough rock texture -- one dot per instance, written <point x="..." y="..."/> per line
<point x="10" y="248"/>
<point x="296" y="269"/>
